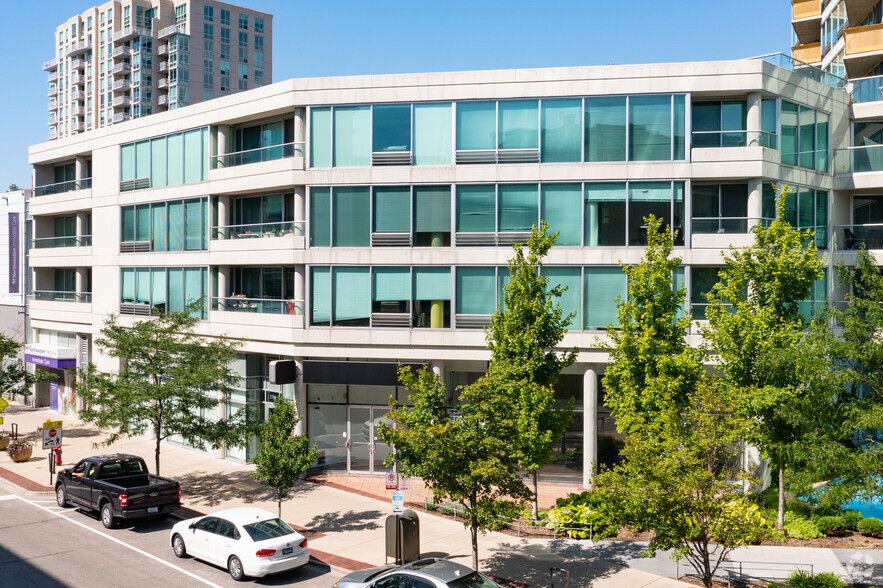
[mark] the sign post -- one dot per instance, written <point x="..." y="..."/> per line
<point x="51" y="439"/>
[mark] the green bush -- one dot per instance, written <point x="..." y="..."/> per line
<point x="582" y="522"/>
<point x="870" y="526"/>
<point x="830" y="525"/>
<point x="804" y="579"/>
<point x="851" y="519"/>
<point x="801" y="529"/>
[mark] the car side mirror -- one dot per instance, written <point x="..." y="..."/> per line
<point x="192" y="526"/>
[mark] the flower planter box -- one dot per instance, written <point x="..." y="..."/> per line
<point x="22" y="455"/>
<point x="4" y="441"/>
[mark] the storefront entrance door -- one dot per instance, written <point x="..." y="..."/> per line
<point x="365" y="452"/>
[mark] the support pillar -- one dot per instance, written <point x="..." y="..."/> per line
<point x="752" y="122"/>
<point x="300" y="211"/>
<point x="590" y="426"/>
<point x="81" y="170"/>
<point x="80" y="283"/>
<point x="223" y="286"/>
<point x="221" y="146"/>
<point x="300" y="132"/>
<point x="755" y="202"/>
<point x="224" y="217"/>
<point x="438" y="368"/>
<point x="82" y="226"/>
<point x="299" y="290"/>
<point x="300" y="398"/>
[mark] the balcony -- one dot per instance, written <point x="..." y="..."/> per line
<point x="53" y="105"/>
<point x="120" y="117"/>
<point x="121" y="85"/>
<point x="80" y="48"/>
<point x="258" y="305"/>
<point x="53" y="134"/>
<point x="733" y="138"/>
<point x="857" y="10"/>
<point x="77" y="127"/>
<point x="78" y="95"/>
<point x="121" y="68"/>
<point x="77" y="79"/>
<point x="130" y="33"/>
<point x="810" y="53"/>
<point x="787" y="62"/>
<point x="162" y="50"/>
<point x="258" y="230"/>
<point x="864" y="49"/>
<point x="163" y="100"/>
<point x="77" y="110"/>
<point x="78" y="64"/>
<point x="175" y="29"/>
<point x="162" y="83"/>
<point x="806" y="18"/>
<point x="53" y="91"/>
<point x="52" y="77"/>
<point x="53" y="242"/>
<point x="271" y="153"/>
<point x="163" y="66"/>
<point x="857" y="160"/>
<point x="121" y="52"/>
<point x="50" y="65"/>
<point x="62" y="296"/>
<point x="53" y="119"/>
<point x="854" y="237"/>
<point x="121" y="101"/>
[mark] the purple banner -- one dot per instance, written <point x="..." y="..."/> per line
<point x="61" y="364"/>
<point x="14" y="253"/>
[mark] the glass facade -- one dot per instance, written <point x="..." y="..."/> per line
<point x="181" y="158"/>
<point x="163" y="289"/>
<point x="175" y="225"/>
<point x="804" y="141"/>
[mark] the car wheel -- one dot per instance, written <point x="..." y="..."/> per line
<point x="61" y="497"/>
<point x="178" y="546"/>
<point x="234" y="566"/>
<point x="107" y="518"/>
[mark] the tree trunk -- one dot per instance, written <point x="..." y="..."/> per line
<point x="473" y="530"/>
<point x="279" y="499"/>
<point x="535" y="476"/>
<point x="780" y="523"/>
<point x="707" y="577"/>
<point x="156" y="454"/>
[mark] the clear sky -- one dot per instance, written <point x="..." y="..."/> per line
<point x="352" y="37"/>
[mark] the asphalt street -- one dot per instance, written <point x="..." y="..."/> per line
<point x="44" y="545"/>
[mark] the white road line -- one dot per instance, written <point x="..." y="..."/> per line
<point x="8" y="497"/>
<point x="114" y="539"/>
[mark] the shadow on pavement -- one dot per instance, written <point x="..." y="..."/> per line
<point x="348" y="521"/>
<point x="314" y="569"/>
<point x="530" y="563"/>
<point x="209" y="490"/>
<point x="18" y="571"/>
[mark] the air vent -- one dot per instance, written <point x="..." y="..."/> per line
<point x="390" y="239"/>
<point x="139" y="184"/>
<point x="388" y="319"/>
<point x="391" y="158"/>
<point x="135" y="247"/>
<point x="135" y="309"/>
<point x="472" y="321"/>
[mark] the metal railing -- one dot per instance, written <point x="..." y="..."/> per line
<point x="852" y="237"/>
<point x="256" y="230"/>
<point x="711" y="225"/>
<point x="789" y="63"/>
<point x="60" y="187"/>
<point x="258" y="155"/>
<point x="748" y="573"/>
<point x="867" y="89"/>
<point x="62" y="296"/>
<point x="702" y="139"/>
<point x="52" y="242"/>
<point x="258" y="305"/>
<point x="863" y="158"/>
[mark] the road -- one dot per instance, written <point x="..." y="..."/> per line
<point x="44" y="545"/>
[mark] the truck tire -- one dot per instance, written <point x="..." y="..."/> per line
<point x="107" y="518"/>
<point x="61" y="496"/>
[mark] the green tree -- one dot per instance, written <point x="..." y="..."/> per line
<point x="462" y="456"/>
<point x="13" y="187"/>
<point x="676" y="479"/>
<point x="282" y="457"/>
<point x="14" y="378"/>
<point x="651" y="368"/>
<point x="755" y="328"/>
<point x="522" y="337"/>
<point x="169" y="382"/>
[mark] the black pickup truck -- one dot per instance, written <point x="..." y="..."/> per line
<point x="119" y="487"/>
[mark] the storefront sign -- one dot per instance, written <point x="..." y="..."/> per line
<point x="51" y="351"/>
<point x="52" y="362"/>
<point x="14" y="253"/>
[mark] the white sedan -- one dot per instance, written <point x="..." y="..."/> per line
<point x="247" y="541"/>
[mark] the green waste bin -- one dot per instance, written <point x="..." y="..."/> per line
<point x="403" y="537"/>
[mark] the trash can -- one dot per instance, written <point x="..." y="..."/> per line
<point x="403" y="537"/>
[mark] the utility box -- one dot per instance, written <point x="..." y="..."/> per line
<point x="403" y="537"/>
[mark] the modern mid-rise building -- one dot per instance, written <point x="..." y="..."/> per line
<point x="354" y="223"/>
<point x="127" y="59"/>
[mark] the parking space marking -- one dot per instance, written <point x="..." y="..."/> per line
<point x="112" y="538"/>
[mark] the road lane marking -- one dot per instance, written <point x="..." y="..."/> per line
<point x="114" y="539"/>
<point x="8" y="497"/>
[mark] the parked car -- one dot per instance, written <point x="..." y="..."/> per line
<point x="118" y="487"/>
<point x="423" y="573"/>
<point x="247" y="541"/>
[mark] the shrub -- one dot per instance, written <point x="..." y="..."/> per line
<point x="851" y="519"/>
<point x="830" y="525"/>
<point x="582" y="522"/>
<point x="804" y="579"/>
<point x="802" y="529"/>
<point x="870" y="526"/>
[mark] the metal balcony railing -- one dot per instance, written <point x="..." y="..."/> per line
<point x="799" y="67"/>
<point x="726" y="224"/>
<point x="78" y="64"/>
<point x="864" y="158"/>
<point x="62" y="296"/>
<point x="853" y="237"/>
<point x="61" y="187"/>
<point x="121" y="52"/>
<point x="258" y="305"/>
<point x="53" y="242"/>
<point x="50" y="64"/>
<point x="256" y="230"/>
<point x="734" y="138"/>
<point x="261" y="154"/>
<point x="78" y="95"/>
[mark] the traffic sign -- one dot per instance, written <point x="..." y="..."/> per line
<point x="52" y="425"/>
<point x="392" y="480"/>
<point x="404" y="483"/>
<point x="398" y="502"/>
<point x="3" y="404"/>
<point x="51" y="437"/>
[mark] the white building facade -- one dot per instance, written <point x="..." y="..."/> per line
<point x="355" y="223"/>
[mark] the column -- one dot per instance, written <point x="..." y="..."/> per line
<point x="300" y="398"/>
<point x="80" y="283"/>
<point x="438" y="369"/>
<point x="755" y="202"/>
<point x="753" y="120"/>
<point x="221" y="147"/>
<point x="300" y="211"/>
<point x="82" y="224"/>
<point x="81" y="170"/>
<point x="223" y="286"/>
<point x="224" y="217"/>
<point x="299" y="290"/>
<point x="590" y="426"/>
<point x="299" y="132"/>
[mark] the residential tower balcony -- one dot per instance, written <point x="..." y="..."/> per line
<point x="62" y="296"/>
<point x="80" y="48"/>
<point x="78" y="64"/>
<point x="53" y="105"/>
<point x="854" y="237"/>
<point x="258" y="305"/>
<point x="857" y="10"/>
<point x="53" y="91"/>
<point x="270" y="153"/>
<point x="78" y="95"/>
<point x="175" y="29"/>
<point x="806" y="18"/>
<point x="810" y="53"/>
<point x="55" y="242"/>
<point x="77" y="110"/>
<point x="50" y="65"/>
<point x="121" y="101"/>
<point x="162" y="50"/>
<point x="130" y="33"/>
<point x="77" y="127"/>
<point x="53" y="77"/>
<point x="258" y="230"/>
<point x="61" y="187"/>
<point x="163" y="83"/>
<point x="121" y="117"/>
<point x="120" y="69"/>
<point x="121" y="52"/>
<point x="53" y="119"/>
<point x="163" y="100"/>
<point x="864" y="49"/>
<point x="77" y="79"/>
<point x="121" y="85"/>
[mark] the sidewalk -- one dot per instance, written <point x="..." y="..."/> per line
<point x="344" y="517"/>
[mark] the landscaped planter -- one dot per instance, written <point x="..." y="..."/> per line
<point x="20" y="451"/>
<point x="4" y="441"/>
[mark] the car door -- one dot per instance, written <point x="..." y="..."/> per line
<point x="202" y="537"/>
<point x="224" y="542"/>
<point x="74" y="485"/>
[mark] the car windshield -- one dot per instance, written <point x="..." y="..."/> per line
<point x="473" y="580"/>
<point x="268" y="529"/>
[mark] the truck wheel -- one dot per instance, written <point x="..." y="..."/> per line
<point x="60" y="497"/>
<point x="107" y="518"/>
<point x="178" y="546"/>
<point x="234" y="566"/>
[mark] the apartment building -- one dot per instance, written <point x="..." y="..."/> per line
<point x="127" y="59"/>
<point x="354" y="223"/>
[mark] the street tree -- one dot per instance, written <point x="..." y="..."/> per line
<point x="13" y="187"/>
<point x="462" y="456"/>
<point x="523" y="336"/>
<point x="754" y="325"/>
<point x="169" y="382"/>
<point x="283" y="457"/>
<point x="14" y="378"/>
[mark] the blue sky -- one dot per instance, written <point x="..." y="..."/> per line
<point x="352" y="37"/>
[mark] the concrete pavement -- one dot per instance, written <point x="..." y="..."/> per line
<point x="346" y="528"/>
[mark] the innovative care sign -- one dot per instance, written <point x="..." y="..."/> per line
<point x="14" y="252"/>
